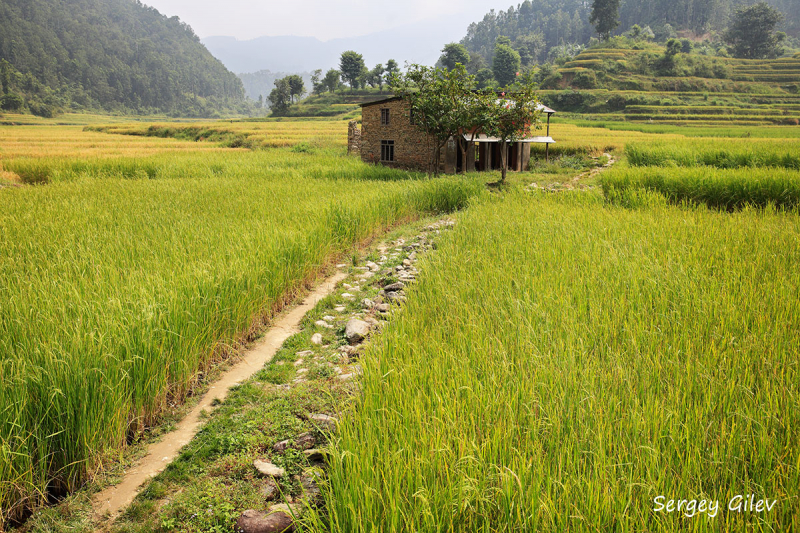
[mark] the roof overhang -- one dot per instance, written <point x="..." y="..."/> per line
<point x="486" y="139"/>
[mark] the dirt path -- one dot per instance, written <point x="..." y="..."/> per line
<point x="577" y="181"/>
<point x="109" y="503"/>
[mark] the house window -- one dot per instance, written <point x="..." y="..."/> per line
<point x="385" y="117"/>
<point x="387" y="150"/>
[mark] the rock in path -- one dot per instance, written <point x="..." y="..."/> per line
<point x="268" y="469"/>
<point x="316" y="338"/>
<point x="252" y="521"/>
<point x="325" y="422"/>
<point x="356" y="331"/>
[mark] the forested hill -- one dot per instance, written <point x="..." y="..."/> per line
<point x="115" y="55"/>
<point x="536" y="27"/>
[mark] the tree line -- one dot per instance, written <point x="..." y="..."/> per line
<point x="352" y="73"/>
<point x="542" y="30"/>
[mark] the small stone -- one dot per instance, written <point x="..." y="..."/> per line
<point x="252" y="521"/>
<point x="310" y="488"/>
<point x="302" y="370"/>
<point x="324" y="422"/>
<point x="396" y="296"/>
<point x="372" y="322"/>
<point x="304" y="441"/>
<point x="383" y="308"/>
<point x="394" y="287"/>
<point x="347" y="296"/>
<point x="340" y="309"/>
<point x="268" y="469"/>
<point x="372" y="266"/>
<point x="367" y="303"/>
<point x="298" y="362"/>
<point x="406" y="262"/>
<point x="269" y="490"/>
<point x="329" y="318"/>
<point x="316" y="455"/>
<point x="347" y="286"/>
<point x="304" y="353"/>
<point x="356" y="331"/>
<point x="345" y="377"/>
<point x="341" y="265"/>
<point x="322" y="324"/>
<point x="316" y="338"/>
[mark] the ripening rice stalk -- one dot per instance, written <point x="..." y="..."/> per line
<point x="560" y="364"/>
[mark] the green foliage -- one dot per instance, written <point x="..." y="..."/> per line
<point x="752" y="33"/>
<point x="332" y="80"/>
<point x="110" y="54"/>
<point x="605" y="17"/>
<point x="453" y="54"/>
<point x="11" y="102"/>
<point x="351" y="65"/>
<point x="281" y="97"/>
<point x="506" y="64"/>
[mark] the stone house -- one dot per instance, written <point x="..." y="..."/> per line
<point x="388" y="137"/>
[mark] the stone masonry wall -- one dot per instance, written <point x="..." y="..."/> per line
<point x="353" y="138"/>
<point x="412" y="148"/>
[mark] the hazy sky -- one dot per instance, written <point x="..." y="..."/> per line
<point x="324" y="19"/>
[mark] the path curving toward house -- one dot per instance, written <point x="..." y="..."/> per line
<point x="109" y="503"/>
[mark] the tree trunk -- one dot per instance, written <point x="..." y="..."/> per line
<point x="462" y="143"/>
<point x="503" y="161"/>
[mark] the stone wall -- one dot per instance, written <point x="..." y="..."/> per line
<point x="412" y="148"/>
<point x="353" y="138"/>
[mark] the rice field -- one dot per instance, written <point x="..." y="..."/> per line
<point x="566" y="365"/>
<point x="563" y="360"/>
<point x="123" y="279"/>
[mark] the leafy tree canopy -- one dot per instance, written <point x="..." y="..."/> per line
<point x="351" y="65"/>
<point x="752" y="32"/>
<point x="605" y="17"/>
<point x="453" y="54"/>
<point x="506" y="64"/>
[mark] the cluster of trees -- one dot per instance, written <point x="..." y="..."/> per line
<point x="353" y="72"/>
<point x="751" y="33"/>
<point x="544" y="30"/>
<point x="109" y="54"/>
<point x="287" y="90"/>
<point x="446" y="103"/>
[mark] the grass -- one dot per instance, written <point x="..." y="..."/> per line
<point x="118" y="291"/>
<point x="730" y="154"/>
<point x="587" y="360"/>
<point x="729" y="189"/>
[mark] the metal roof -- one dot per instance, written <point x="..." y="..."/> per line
<point x="481" y="138"/>
<point x="541" y="107"/>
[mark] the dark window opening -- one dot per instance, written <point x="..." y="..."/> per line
<point x="387" y="150"/>
<point x="384" y="117"/>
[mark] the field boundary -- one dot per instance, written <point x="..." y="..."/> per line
<point x="109" y="503"/>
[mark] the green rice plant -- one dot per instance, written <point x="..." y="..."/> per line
<point x="728" y="189"/>
<point x="729" y="154"/>
<point x="117" y="294"/>
<point x="560" y="364"/>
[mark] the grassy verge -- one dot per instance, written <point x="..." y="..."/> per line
<point x="561" y="364"/>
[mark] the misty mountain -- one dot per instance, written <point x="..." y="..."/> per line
<point x="416" y="43"/>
